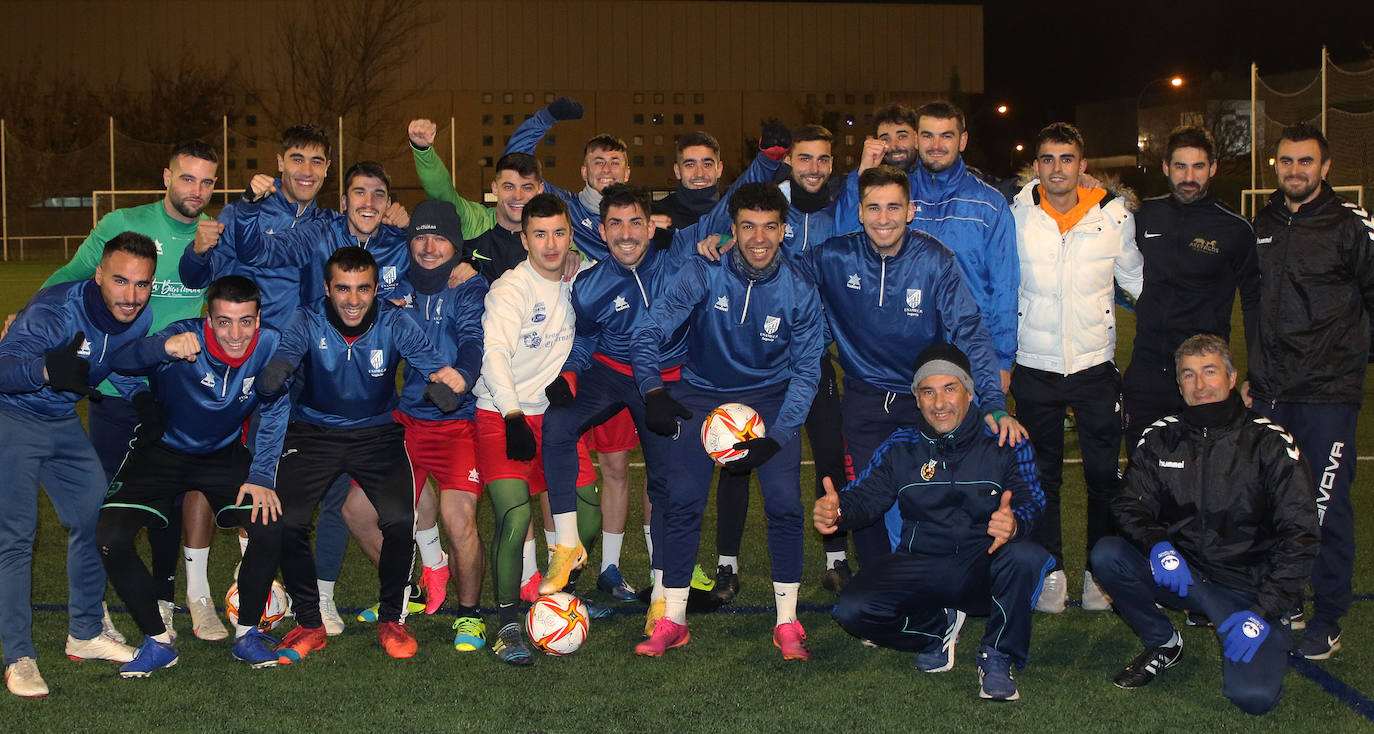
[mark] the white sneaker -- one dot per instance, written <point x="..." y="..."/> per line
<point x="167" y="610"/>
<point x="205" y="622"/>
<point x="329" y="613"/>
<point x="1094" y="598"/>
<point x="1054" y="591"/>
<point x="107" y="627"/>
<point x="99" y="647"/>
<point x="23" y="679"/>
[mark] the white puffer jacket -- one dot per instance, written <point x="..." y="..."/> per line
<point x="1066" y="306"/>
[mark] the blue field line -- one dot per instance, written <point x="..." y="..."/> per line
<point x="1332" y="685"/>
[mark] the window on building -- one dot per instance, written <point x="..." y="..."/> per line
<point x="849" y="99"/>
<point x="698" y="119"/>
<point x="252" y="164"/>
<point x="699" y="98"/>
<point x="637" y="140"/>
<point x="251" y="120"/>
<point x="658" y="140"/>
<point x="548" y="97"/>
<point x="550" y="161"/>
<point x="678" y="119"/>
<point x="638" y="98"/>
<point x="868" y="99"/>
<point x="830" y="99"/>
<point x="659" y="161"/>
<point x="508" y="98"/>
<point x="232" y="165"/>
<point x="529" y="98"/>
<point x="487" y="140"/>
<point x="549" y="139"/>
<point x="252" y="142"/>
<point x="679" y="98"/>
<point x="639" y="118"/>
<point x="637" y="161"/>
<point x="658" y="97"/>
<point x="484" y="162"/>
<point x="233" y="143"/>
<point x="508" y="119"/>
<point x="488" y="118"/>
<point x="657" y="119"/>
<point x="849" y="140"/>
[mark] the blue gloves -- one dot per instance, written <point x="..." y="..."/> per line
<point x="1169" y="568"/>
<point x="565" y="108"/>
<point x="1243" y="632"/>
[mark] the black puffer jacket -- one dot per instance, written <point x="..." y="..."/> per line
<point x="1316" y="292"/>
<point x="1229" y="490"/>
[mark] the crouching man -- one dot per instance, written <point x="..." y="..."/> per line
<point x="967" y="504"/>
<point x="1217" y="515"/>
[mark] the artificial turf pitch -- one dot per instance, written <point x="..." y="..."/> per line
<point x="729" y="678"/>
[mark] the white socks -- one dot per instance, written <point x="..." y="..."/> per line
<point x="240" y="631"/>
<point x="610" y="549"/>
<point x="431" y="554"/>
<point x="676" y="607"/>
<point x="243" y="544"/>
<point x="649" y="541"/>
<point x="731" y="561"/>
<point x="550" y="540"/>
<point x="785" y="596"/>
<point x="833" y="557"/>
<point x="564" y="530"/>
<point x="531" y="566"/>
<point x="658" y="590"/>
<point x="197" y="572"/>
<point x="326" y="588"/>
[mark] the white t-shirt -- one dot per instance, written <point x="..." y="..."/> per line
<point x="528" y="329"/>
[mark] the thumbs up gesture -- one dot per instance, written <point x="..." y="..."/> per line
<point x="1002" y="524"/>
<point x="826" y="514"/>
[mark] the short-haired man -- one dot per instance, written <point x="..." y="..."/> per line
<point x="967" y="503"/>
<point x="889" y="292"/>
<point x="1307" y="368"/>
<point x="370" y="220"/>
<point x="1074" y="244"/>
<point x="177" y="223"/>
<point x="201" y="373"/>
<point x="755" y="336"/>
<point x="1216" y="515"/>
<point x="895" y="125"/>
<point x="347" y="347"/>
<point x="57" y="351"/>
<point x="953" y="205"/>
<point x="527" y="333"/>
<point x="697" y="168"/>
<point x="1198" y="253"/>
<point x="302" y="164"/>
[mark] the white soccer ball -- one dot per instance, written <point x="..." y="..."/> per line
<point x="277" y="606"/>
<point x="557" y="624"/>
<point x="726" y="426"/>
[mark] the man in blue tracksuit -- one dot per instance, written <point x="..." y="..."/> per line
<point x="967" y="504"/>
<point x="889" y="292"/>
<point x="371" y="221"/>
<point x="58" y="349"/>
<point x="201" y="373"/>
<point x="958" y="209"/>
<point x="755" y="336"/>
<point x="347" y="349"/>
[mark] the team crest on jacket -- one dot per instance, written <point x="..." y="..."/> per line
<point x="913" y="302"/>
<point x="723" y="304"/>
<point x="853" y="282"/>
<point x="770" y="328"/>
<point x="538" y="316"/>
<point x="208" y="380"/>
<point x="378" y="361"/>
<point x="247" y="389"/>
<point x="531" y="339"/>
<point x="620" y="303"/>
<point x="85" y="350"/>
<point x="787" y="231"/>
<point x="389" y="274"/>
<point x="928" y="470"/>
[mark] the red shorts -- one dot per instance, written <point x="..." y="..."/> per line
<point x="616" y="434"/>
<point x="445" y="449"/>
<point x="492" y="463"/>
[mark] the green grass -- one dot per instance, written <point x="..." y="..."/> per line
<point x="729" y="678"/>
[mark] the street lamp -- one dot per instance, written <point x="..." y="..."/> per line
<point x="1001" y="109"/>
<point x="1015" y="149"/>
<point x="1141" y="138"/>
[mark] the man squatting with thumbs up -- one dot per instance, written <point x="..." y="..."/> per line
<point x="967" y="505"/>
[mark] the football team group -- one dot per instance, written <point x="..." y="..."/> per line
<point x="241" y="372"/>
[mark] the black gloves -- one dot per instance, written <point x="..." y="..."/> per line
<point x="562" y="390"/>
<point x="443" y="397"/>
<point x="565" y="108"/>
<point x="272" y="379"/>
<point x="68" y="372"/>
<point x="151" y="424"/>
<point x="520" y="444"/>
<point x="661" y="412"/>
<point x="775" y="140"/>
<point x="760" y="450"/>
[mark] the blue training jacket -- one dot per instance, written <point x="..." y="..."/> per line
<point x="281" y="287"/>
<point x="305" y="249"/>
<point x="882" y="311"/>
<point x="945" y="488"/>
<point x="206" y="402"/>
<point x="742" y="335"/>
<point x="586" y="222"/>
<point x="352" y="385"/>
<point x="805" y="231"/>
<point x="973" y="220"/>
<point x="452" y="322"/>
<point x="50" y="322"/>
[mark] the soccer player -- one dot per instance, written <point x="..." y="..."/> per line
<point x="175" y="223"/>
<point x="303" y="164"/>
<point x="527" y="329"/>
<point x="1216" y="515"/>
<point x="889" y="292"/>
<point x="57" y="351"/>
<point x="755" y="336"/>
<point x="698" y="169"/>
<point x="440" y="444"/>
<point x="347" y="347"/>
<point x="967" y="502"/>
<point x="1074" y="243"/>
<point x="201" y="373"/>
<point x="370" y="220"/>
<point x="1316" y="263"/>
<point x="951" y="204"/>
<point x="1198" y="253"/>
